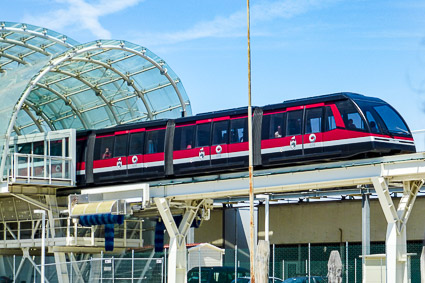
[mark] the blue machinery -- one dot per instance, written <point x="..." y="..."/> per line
<point x="33" y="175"/>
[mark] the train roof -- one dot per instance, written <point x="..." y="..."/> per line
<point x="323" y="98"/>
<point x="243" y="110"/>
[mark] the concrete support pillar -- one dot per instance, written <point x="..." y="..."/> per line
<point x="398" y="264"/>
<point x="177" y="260"/>
<point x="365" y="222"/>
<point x="60" y="258"/>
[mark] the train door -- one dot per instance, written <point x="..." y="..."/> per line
<point x="202" y="153"/>
<point x="135" y="153"/>
<point x="294" y="130"/>
<point x="119" y="154"/>
<point x="185" y="154"/>
<point x="103" y="162"/>
<point x="220" y="142"/>
<point x="154" y="163"/>
<point x="238" y="146"/>
<point x="313" y="136"/>
<point x="274" y="142"/>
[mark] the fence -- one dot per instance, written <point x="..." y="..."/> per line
<point x="286" y="261"/>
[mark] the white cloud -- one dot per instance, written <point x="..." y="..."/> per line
<point x="81" y="14"/>
<point x="234" y="25"/>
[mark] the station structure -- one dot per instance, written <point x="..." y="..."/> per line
<point x="51" y="86"/>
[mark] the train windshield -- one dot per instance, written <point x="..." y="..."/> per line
<point x="382" y="118"/>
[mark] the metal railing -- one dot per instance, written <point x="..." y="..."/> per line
<point x="40" y="169"/>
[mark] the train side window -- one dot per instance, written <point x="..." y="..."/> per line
<point x="330" y="119"/>
<point x="121" y="142"/>
<point x="39" y="148"/>
<point x="81" y="153"/>
<point x="155" y="141"/>
<point x="24" y="148"/>
<point x="273" y="126"/>
<point x="220" y="132"/>
<point x="372" y="122"/>
<point x="103" y="148"/>
<point x="183" y="137"/>
<point x="203" y="134"/>
<point x="238" y="130"/>
<point x="350" y="115"/>
<point x="313" y="122"/>
<point x="136" y="143"/>
<point x="56" y="148"/>
<point x="294" y="124"/>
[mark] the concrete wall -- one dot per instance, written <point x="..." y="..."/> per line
<point x="319" y="222"/>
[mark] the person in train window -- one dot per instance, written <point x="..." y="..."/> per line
<point x="278" y="133"/>
<point x="373" y="127"/>
<point x="106" y="154"/>
<point x="351" y="124"/>
<point x="189" y="146"/>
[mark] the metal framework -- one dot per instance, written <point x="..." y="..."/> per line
<point x="67" y="85"/>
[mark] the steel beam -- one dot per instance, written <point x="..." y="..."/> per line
<point x="177" y="261"/>
<point x="398" y="263"/>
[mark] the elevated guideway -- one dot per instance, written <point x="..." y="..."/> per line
<point x="403" y="174"/>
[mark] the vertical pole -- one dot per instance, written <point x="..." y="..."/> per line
<point x="43" y="242"/>
<point x="267" y="197"/>
<point x="250" y="167"/>
<point x="309" y="262"/>
<point x="273" y="262"/>
<point x="101" y="266"/>
<point x="199" y="264"/>
<point x="165" y="256"/>
<point x="283" y="269"/>
<point x="14" y="268"/>
<point x="365" y="224"/>
<point x="113" y="270"/>
<point x="236" y="263"/>
<point x="355" y="270"/>
<point x="132" y="266"/>
<point x="346" y="262"/>
<point x="72" y="255"/>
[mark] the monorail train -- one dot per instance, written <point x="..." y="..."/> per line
<point x="321" y="128"/>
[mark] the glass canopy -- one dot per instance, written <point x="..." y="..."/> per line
<point x="50" y="82"/>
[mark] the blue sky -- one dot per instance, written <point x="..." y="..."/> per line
<point x="299" y="48"/>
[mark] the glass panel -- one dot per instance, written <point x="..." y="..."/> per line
<point x="392" y="120"/>
<point x="372" y="122"/>
<point x="183" y="137"/>
<point x="136" y="143"/>
<point x="330" y="119"/>
<point x="273" y="126"/>
<point x="155" y="141"/>
<point x="220" y="132"/>
<point x="203" y="134"/>
<point x="81" y="153"/>
<point x="120" y="145"/>
<point x="238" y="130"/>
<point x="350" y="115"/>
<point x="103" y="148"/>
<point x="39" y="148"/>
<point x="56" y="148"/>
<point x="295" y="121"/>
<point x="313" y="123"/>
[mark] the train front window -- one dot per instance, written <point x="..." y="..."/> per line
<point x="392" y="119"/>
<point x="350" y="115"/>
<point x="383" y="118"/>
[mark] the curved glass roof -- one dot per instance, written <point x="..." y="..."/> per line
<point x="50" y="82"/>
